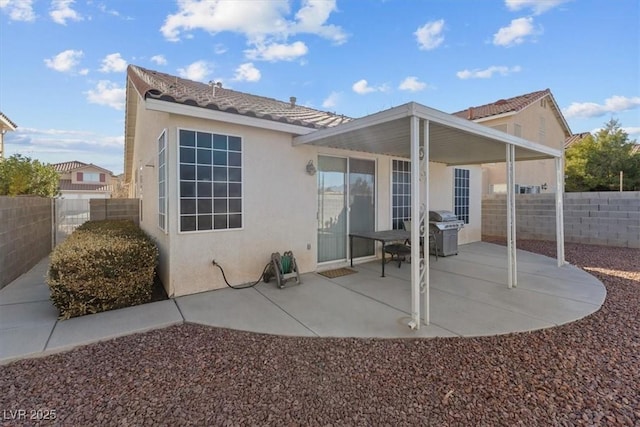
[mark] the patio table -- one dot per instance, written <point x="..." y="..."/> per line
<point x="385" y="236"/>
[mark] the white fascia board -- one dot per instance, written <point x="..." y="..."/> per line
<point x="496" y="116"/>
<point x="481" y="130"/>
<point x="221" y="116"/>
<point x="401" y="111"/>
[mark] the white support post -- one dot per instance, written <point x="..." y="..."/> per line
<point x="415" y="216"/>
<point x="512" y="272"/>
<point x="560" y="211"/>
<point x="424" y="230"/>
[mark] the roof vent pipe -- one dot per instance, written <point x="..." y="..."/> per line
<point x="293" y="100"/>
<point x="470" y="117"/>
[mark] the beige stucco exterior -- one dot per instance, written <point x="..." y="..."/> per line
<point x="279" y="202"/>
<point x="537" y="122"/>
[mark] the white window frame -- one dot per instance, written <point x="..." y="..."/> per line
<point x="162" y="182"/>
<point x="242" y="166"/>
<point x="392" y="192"/>
<point x="458" y="199"/>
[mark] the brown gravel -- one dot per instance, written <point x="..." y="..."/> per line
<point x="583" y="373"/>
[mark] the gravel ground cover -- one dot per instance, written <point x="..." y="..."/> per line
<point x="583" y="373"/>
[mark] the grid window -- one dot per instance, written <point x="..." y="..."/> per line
<point x="401" y="193"/>
<point x="162" y="181"/>
<point x="210" y="181"/>
<point x="461" y="194"/>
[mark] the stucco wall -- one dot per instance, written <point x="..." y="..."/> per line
<point x="25" y="234"/>
<point x="532" y="172"/>
<point x="601" y="218"/>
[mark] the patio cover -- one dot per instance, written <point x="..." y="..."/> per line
<point x="423" y="134"/>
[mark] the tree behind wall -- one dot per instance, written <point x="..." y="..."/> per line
<point x="594" y="164"/>
<point x="22" y="176"/>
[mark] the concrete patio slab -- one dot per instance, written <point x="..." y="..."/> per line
<point x="114" y="323"/>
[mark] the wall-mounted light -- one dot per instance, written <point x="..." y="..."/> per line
<point x="311" y="169"/>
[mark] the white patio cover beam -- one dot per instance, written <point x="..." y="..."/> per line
<point x="415" y="229"/>
<point x="560" y="211"/>
<point x="424" y="228"/>
<point x="512" y="279"/>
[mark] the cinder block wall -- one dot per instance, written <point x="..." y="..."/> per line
<point x="25" y="234"/>
<point x="600" y="218"/>
<point x="100" y="209"/>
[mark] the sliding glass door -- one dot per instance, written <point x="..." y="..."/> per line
<point x="346" y="201"/>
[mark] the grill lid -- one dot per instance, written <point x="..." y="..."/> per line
<point x="442" y="216"/>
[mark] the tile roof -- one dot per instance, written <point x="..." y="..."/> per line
<point x="157" y="85"/>
<point x="74" y="164"/>
<point x="66" y="185"/>
<point x="575" y="138"/>
<point x="502" y="106"/>
<point x="635" y="149"/>
<point x="5" y="122"/>
<point x="68" y="166"/>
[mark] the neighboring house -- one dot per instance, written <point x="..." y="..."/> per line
<point x="232" y="177"/>
<point x="6" y="125"/>
<point x="80" y="180"/>
<point x="576" y="138"/>
<point x="535" y="117"/>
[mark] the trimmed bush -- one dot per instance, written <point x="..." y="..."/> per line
<point x="101" y="266"/>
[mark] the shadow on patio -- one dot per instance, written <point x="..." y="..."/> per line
<point x="469" y="297"/>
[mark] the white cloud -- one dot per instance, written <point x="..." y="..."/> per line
<point x="430" y="36"/>
<point x="113" y="63"/>
<point x="412" y="84"/>
<point x="61" y="12"/>
<point x="159" y="59"/>
<point x="331" y="100"/>
<point x="247" y="73"/>
<point x="65" y="62"/>
<point x="277" y="52"/>
<point x="487" y="73"/>
<point x="197" y="71"/>
<point x="614" y="104"/>
<point x="313" y="15"/>
<point x="537" y="6"/>
<point x="19" y="10"/>
<point x="361" y="87"/>
<point x="107" y="93"/>
<point x="219" y="49"/>
<point x="515" y="33"/>
<point x="632" y="131"/>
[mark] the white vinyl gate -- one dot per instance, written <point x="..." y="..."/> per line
<point x="69" y="214"/>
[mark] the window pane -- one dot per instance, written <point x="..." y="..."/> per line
<point x="219" y="174"/>
<point x="235" y="175"/>
<point x="235" y="159"/>
<point x="220" y="142"/>
<point x="235" y="205"/>
<point x="204" y="189"/>
<point x="235" y="221"/>
<point x="219" y="157"/>
<point x="204" y="140"/>
<point x="204" y="222"/>
<point x="187" y="223"/>
<point x="220" y="222"/>
<point x="187" y="138"/>
<point x="204" y="156"/>
<point x="187" y="189"/>
<point x="187" y="155"/>
<point x="188" y="206"/>
<point x="204" y="173"/>
<point x="235" y="143"/>
<point x="220" y="205"/>
<point x="205" y="206"/>
<point x="235" y="190"/>
<point x="220" y="190"/>
<point x="187" y="172"/>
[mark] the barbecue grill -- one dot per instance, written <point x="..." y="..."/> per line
<point x="445" y="226"/>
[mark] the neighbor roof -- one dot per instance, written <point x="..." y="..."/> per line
<point x="65" y="167"/>
<point x="575" y="138"/>
<point x="66" y="185"/>
<point x="165" y="87"/>
<point x="512" y="106"/>
<point x="6" y="123"/>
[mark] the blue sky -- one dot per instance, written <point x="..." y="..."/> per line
<point x="63" y="62"/>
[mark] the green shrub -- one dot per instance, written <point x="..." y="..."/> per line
<point x="101" y="266"/>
